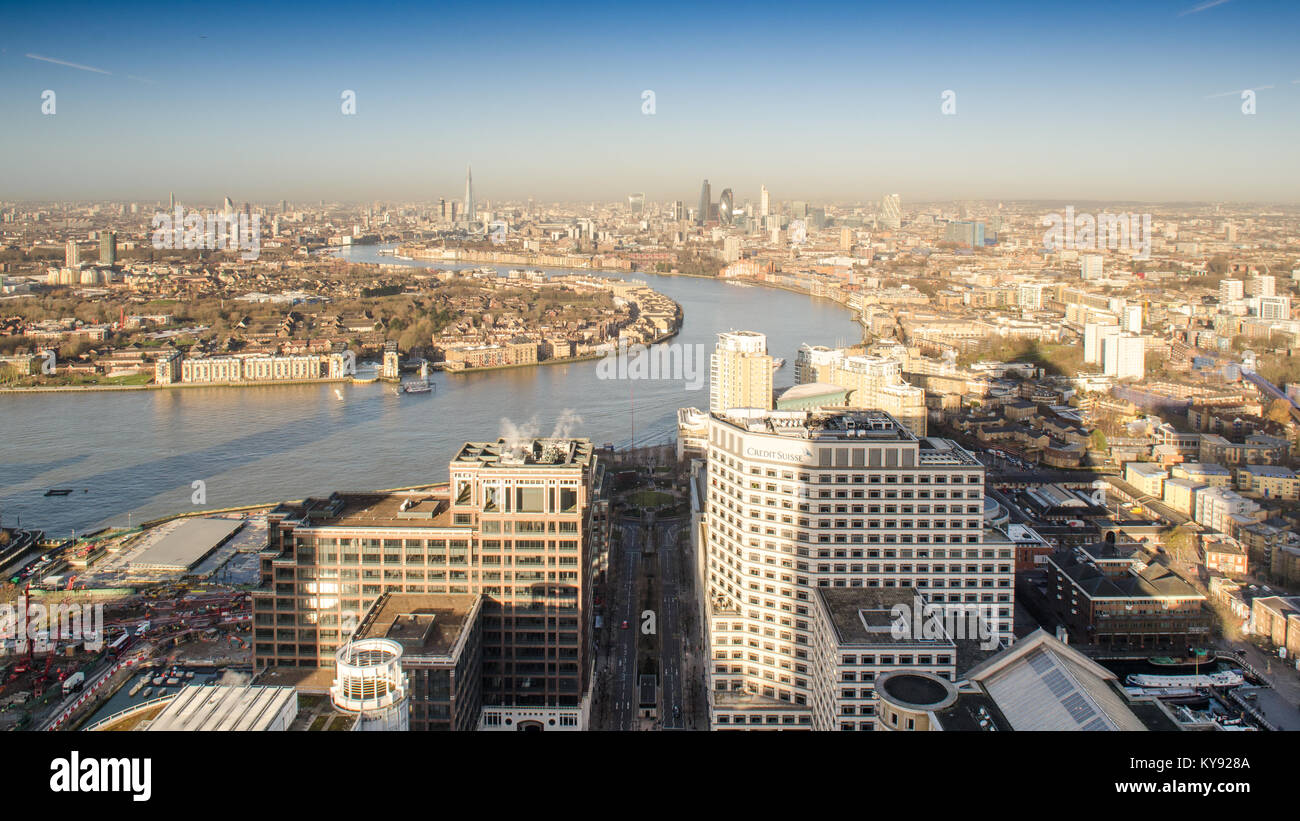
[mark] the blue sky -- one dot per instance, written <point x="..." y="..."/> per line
<point x="1103" y="100"/>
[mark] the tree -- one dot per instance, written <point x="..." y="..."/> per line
<point x="1097" y="441"/>
<point x="1279" y="411"/>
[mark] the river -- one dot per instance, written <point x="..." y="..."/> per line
<point x="135" y="455"/>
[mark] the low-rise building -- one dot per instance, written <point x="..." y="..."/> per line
<point x="1216" y="507"/>
<point x="1146" y="477"/>
<point x="1202" y="473"/>
<point x="1147" y="606"/>
<point x="1268" y="481"/>
<point x="1225" y="555"/>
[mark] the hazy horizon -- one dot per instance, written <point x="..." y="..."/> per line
<point x="1110" y="103"/>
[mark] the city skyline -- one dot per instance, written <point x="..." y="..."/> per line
<point x="835" y="104"/>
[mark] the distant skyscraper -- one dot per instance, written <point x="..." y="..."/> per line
<point x="71" y="254"/>
<point x="469" y="197"/>
<point x="229" y="207"/>
<point x="636" y="203"/>
<point x="891" y="211"/>
<point x="969" y="234"/>
<point x="679" y="210"/>
<point x="107" y="248"/>
<point x="171" y="201"/>
<point x="764" y="204"/>
<point x="1231" y="289"/>
<point x="740" y="372"/>
<point x="1090" y="266"/>
<point x="1123" y="356"/>
<point x="726" y="206"/>
<point x="1264" y="285"/>
<point x="706" y="201"/>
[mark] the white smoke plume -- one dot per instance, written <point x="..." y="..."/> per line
<point x="566" y="425"/>
<point x="518" y="437"/>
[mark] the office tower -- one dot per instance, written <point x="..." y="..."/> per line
<point x="1230" y="232"/>
<point x="1274" y="307"/>
<point x="1231" y="290"/>
<point x="740" y="372"/>
<point x="679" y="211"/>
<point x="71" y="254"/>
<point x="636" y="203"/>
<point x="1123" y="356"/>
<point x="1093" y="334"/>
<point x="228" y="208"/>
<point x="515" y="526"/>
<point x="726" y="206"/>
<point x="847" y="503"/>
<point x="798" y="210"/>
<point x="1090" y="266"/>
<point x="470" y="214"/>
<point x="1263" y="285"/>
<point x="706" y="202"/>
<point x="968" y="234"/>
<point x="891" y="212"/>
<point x="846" y="239"/>
<point x="764" y="203"/>
<point x="107" y="248"/>
<point x="1133" y="319"/>
<point x="284" y="206"/>
<point x="872" y="382"/>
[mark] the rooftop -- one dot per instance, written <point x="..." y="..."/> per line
<point x="207" y="708"/>
<point x="187" y="544"/>
<point x="425" y="624"/>
<point x="526" y="452"/>
<point x="864" y="616"/>
<point x="346" y="509"/>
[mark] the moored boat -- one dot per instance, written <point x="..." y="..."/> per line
<point x="1228" y="678"/>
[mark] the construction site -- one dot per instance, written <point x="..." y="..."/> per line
<point x="98" y="625"/>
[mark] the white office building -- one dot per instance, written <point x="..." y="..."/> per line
<point x="1133" y="319"/>
<point x="1093" y="335"/>
<point x="1124" y="356"/>
<point x="798" y="501"/>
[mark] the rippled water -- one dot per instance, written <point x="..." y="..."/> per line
<point x="139" y="452"/>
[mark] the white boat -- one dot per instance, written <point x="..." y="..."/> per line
<point x="778" y="364"/>
<point x="1230" y="678"/>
